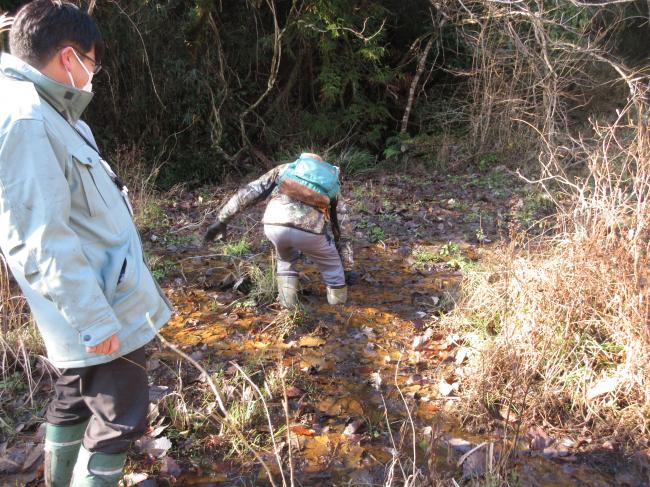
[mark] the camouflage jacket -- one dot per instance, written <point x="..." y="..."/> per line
<point x="285" y="211"/>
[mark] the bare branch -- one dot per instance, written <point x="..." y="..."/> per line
<point x="359" y="34"/>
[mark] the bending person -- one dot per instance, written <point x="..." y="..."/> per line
<point x="305" y="203"/>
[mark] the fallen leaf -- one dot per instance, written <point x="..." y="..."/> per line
<point x="602" y="387"/>
<point x="336" y="407"/>
<point x="354" y="427"/>
<point x="132" y="479"/>
<point x="420" y="340"/>
<point x="317" y="447"/>
<point x="293" y="391"/>
<point x="311" y="341"/>
<point x="375" y="380"/>
<point x="158" y="393"/>
<point x="157" y="431"/>
<point x="155" y="447"/>
<point x="13" y="459"/>
<point x="313" y="362"/>
<point x="35" y="452"/>
<point x="461" y="355"/>
<point x="445" y="388"/>
<point x="170" y="467"/>
<point x="301" y="430"/>
<point x="354" y="457"/>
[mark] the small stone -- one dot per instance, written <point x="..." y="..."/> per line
<point x="609" y="445"/>
<point x="403" y="251"/>
<point x="197" y="355"/>
<point x="460" y="445"/>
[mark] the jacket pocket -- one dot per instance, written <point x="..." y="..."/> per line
<point x="107" y="262"/>
<point x="87" y="161"/>
<point x="129" y="281"/>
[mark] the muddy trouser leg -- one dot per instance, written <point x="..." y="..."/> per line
<point x="287" y="253"/>
<point x="320" y="248"/>
<point x="113" y="399"/>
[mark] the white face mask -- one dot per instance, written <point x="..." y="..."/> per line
<point x="89" y="84"/>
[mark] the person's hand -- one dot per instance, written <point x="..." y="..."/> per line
<point x="107" y="347"/>
<point x="216" y="230"/>
<point x="351" y="277"/>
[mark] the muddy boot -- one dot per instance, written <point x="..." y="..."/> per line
<point x="61" y="448"/>
<point x="97" y="469"/>
<point x="288" y="291"/>
<point x="337" y="295"/>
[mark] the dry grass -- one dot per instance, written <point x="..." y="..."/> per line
<point x="19" y="340"/>
<point x="549" y="327"/>
<point x="23" y="367"/>
<point x="559" y="324"/>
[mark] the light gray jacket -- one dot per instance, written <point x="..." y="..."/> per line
<point x="65" y="228"/>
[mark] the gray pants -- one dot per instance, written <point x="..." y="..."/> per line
<point x="114" y="396"/>
<point x="290" y="242"/>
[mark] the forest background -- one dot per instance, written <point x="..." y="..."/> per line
<point x="554" y="92"/>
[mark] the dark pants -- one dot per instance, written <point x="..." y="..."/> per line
<point x="114" y="397"/>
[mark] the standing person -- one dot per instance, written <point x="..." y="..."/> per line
<point x="71" y="244"/>
<point x="304" y="199"/>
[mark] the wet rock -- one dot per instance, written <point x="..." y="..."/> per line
<point x="474" y="465"/>
<point x="362" y="478"/>
<point x="555" y="452"/>
<point x="459" y="445"/>
<point x="403" y="251"/>
<point x="609" y="445"/>
<point x="12" y="461"/>
<point x="538" y="438"/>
<point x="169" y="466"/>
<point x="627" y="479"/>
<point x="157" y="393"/>
<point x="197" y="355"/>
<point x="641" y="460"/>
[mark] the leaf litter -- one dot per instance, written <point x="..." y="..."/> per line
<point x="349" y="372"/>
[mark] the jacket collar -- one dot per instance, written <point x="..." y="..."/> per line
<point x="68" y="100"/>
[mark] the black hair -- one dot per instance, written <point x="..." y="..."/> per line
<point x="41" y="27"/>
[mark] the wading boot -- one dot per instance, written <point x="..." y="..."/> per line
<point x="337" y="295"/>
<point x="288" y="291"/>
<point x="97" y="469"/>
<point x="61" y="448"/>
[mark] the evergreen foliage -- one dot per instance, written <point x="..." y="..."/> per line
<point x="208" y="89"/>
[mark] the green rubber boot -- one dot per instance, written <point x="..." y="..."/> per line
<point x="288" y="291"/>
<point x="61" y="448"/>
<point x="337" y="295"/>
<point x="97" y="469"/>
